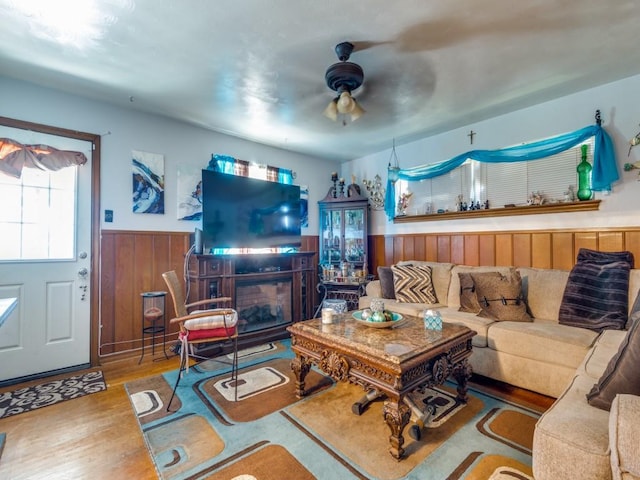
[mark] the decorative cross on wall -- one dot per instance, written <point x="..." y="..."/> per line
<point x="471" y="135"/>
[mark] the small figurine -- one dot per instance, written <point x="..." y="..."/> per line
<point x="403" y="206"/>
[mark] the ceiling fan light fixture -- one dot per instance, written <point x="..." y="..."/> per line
<point x="331" y="112"/>
<point x="344" y="77"/>
<point x="357" y="111"/>
<point x="345" y="103"/>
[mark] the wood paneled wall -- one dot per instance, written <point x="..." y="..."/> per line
<point x="133" y="263"/>
<point x="540" y="249"/>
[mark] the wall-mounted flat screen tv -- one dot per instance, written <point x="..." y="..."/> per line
<point x="243" y="212"/>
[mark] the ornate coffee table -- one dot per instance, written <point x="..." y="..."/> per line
<point x="393" y="361"/>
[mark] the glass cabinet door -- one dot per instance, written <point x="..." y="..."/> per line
<point x="331" y="236"/>
<point x="354" y="234"/>
<point x="343" y="233"/>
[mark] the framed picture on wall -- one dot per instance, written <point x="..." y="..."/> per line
<point x="189" y="190"/>
<point x="148" y="182"/>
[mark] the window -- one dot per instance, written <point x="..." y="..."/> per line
<point x="499" y="183"/>
<point x="38" y="215"/>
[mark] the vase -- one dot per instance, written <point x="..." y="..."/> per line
<point x="584" y="176"/>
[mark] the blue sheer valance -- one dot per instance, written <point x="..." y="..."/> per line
<point x="232" y="166"/>
<point x="604" y="173"/>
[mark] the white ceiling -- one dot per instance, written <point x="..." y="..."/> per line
<point x="255" y="69"/>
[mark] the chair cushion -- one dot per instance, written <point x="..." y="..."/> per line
<point x="193" y="335"/>
<point x="597" y="292"/>
<point x="413" y="284"/>
<point x="215" y="320"/>
<point x="500" y="296"/>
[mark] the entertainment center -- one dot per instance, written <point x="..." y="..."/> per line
<point x="270" y="291"/>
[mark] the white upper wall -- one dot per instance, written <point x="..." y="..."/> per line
<point x="185" y="144"/>
<point x="620" y="116"/>
<point x="125" y="130"/>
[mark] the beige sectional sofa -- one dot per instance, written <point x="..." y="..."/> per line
<point x="572" y="439"/>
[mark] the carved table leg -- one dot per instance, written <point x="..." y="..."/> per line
<point x="397" y="416"/>
<point x="462" y="373"/>
<point x="300" y="367"/>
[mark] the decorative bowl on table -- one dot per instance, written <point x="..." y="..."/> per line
<point x="368" y="319"/>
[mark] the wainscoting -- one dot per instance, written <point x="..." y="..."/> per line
<point x="539" y="249"/>
<point x="132" y="263"/>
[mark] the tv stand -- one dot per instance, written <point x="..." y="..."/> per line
<point x="269" y="291"/>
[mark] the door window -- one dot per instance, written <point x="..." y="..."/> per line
<point x="38" y="218"/>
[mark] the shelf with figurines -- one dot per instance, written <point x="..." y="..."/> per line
<point x="535" y="205"/>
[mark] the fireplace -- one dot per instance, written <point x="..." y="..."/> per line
<point x="263" y="303"/>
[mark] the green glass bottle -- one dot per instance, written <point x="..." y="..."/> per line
<point x="584" y="176"/>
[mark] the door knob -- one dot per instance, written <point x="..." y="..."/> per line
<point x="83" y="272"/>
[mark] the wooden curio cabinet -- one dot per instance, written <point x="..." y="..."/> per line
<point x="343" y="230"/>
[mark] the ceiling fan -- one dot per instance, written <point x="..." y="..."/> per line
<point x="344" y="77"/>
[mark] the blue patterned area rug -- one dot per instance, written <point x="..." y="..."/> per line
<point x="269" y="434"/>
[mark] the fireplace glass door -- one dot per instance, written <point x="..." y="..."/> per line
<point x="263" y="303"/>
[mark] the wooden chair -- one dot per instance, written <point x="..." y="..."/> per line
<point x="202" y="326"/>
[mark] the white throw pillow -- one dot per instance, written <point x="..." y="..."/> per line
<point x="212" y="321"/>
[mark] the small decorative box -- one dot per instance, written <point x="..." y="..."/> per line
<point x="432" y="320"/>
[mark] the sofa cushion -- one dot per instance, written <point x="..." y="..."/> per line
<point x="542" y="289"/>
<point x="542" y="340"/>
<point x="621" y="374"/>
<point x="453" y="298"/>
<point x="440" y="276"/>
<point x="571" y="438"/>
<point x="477" y="324"/>
<point x="500" y="296"/>
<point x="385" y="274"/>
<point x="606" y="346"/>
<point x="596" y="295"/>
<point x="624" y="437"/>
<point x="412" y="283"/>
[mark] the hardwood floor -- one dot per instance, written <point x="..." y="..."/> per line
<point x="97" y="436"/>
<point x="93" y="437"/>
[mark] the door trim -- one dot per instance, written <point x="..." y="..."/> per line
<point x="95" y="215"/>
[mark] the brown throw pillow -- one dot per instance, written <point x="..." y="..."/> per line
<point x="413" y="284"/>
<point x="500" y="296"/>
<point x="621" y="374"/>
<point x="385" y="274"/>
<point x="468" y="299"/>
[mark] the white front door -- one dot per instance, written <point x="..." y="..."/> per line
<point x="45" y="261"/>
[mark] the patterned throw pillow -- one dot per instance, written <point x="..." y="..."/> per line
<point x="621" y="374"/>
<point x="596" y="296"/>
<point x="413" y="284"/>
<point x="500" y="296"/>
